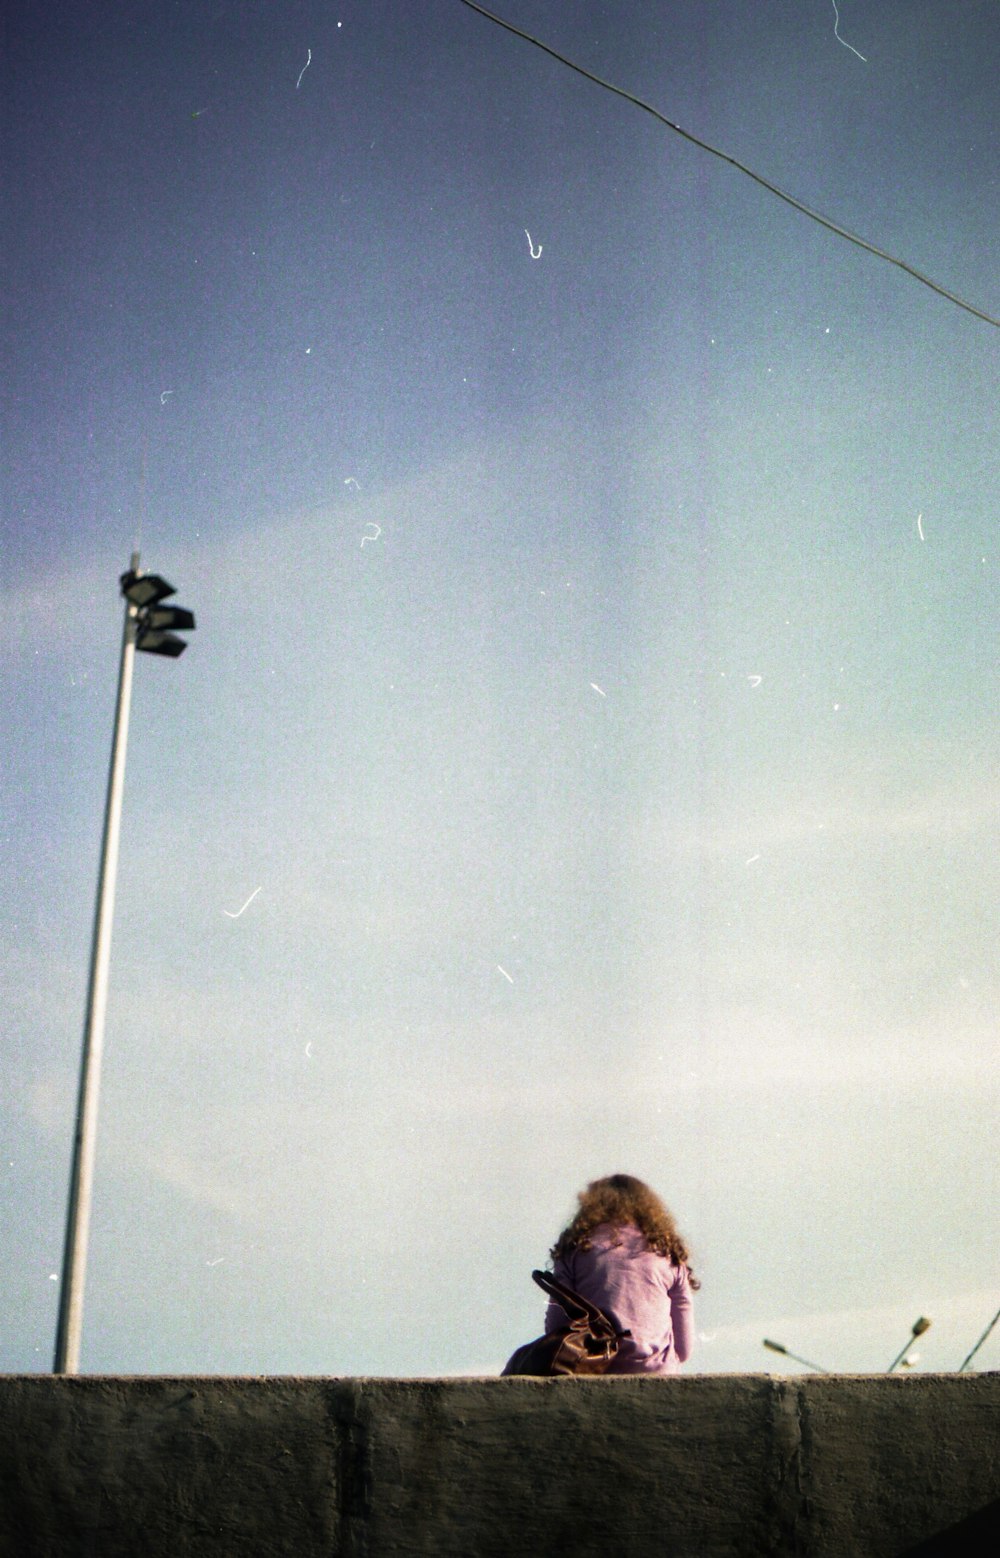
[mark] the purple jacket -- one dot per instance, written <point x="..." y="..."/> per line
<point x="646" y="1293"/>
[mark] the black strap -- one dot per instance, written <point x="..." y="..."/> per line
<point x="576" y="1305"/>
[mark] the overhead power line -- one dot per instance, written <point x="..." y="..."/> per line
<point x="815" y="216"/>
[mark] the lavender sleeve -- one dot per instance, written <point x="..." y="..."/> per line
<point x="682" y="1316"/>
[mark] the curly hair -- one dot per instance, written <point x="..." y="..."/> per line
<point x="620" y="1200"/>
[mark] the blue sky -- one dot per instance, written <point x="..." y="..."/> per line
<point x="594" y="679"/>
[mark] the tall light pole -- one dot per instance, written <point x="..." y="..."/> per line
<point x="777" y="1347"/>
<point x="145" y="627"/>
<point x="968" y="1359"/>
<point x="917" y="1329"/>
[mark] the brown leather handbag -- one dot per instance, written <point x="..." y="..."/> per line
<point x="585" y="1346"/>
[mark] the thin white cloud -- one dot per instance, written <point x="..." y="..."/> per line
<point x="198" y="1184"/>
<point x="956" y="813"/>
<point x="857" y="1339"/>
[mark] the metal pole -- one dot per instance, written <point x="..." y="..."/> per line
<point x="777" y="1347"/>
<point x="919" y="1327"/>
<point x="67" y="1354"/>
<point x="966" y="1361"/>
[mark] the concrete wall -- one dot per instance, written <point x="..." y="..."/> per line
<point x="681" y="1468"/>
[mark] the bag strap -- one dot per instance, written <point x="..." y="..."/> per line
<point x="576" y="1306"/>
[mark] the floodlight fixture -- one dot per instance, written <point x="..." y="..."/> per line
<point x="151" y="626"/>
<point x="151" y="621"/>
<point x="146" y="627"/>
<point x="145" y="589"/>
<point x="919" y="1327"/>
<point x="168" y="617"/>
<point x="777" y="1347"/>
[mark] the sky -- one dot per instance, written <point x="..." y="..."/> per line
<point x="585" y="760"/>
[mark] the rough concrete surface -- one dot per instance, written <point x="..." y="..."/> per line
<point x="704" y="1467"/>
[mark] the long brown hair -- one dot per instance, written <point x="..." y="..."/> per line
<point x="620" y="1200"/>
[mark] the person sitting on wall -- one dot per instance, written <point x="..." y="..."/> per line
<point x="622" y="1251"/>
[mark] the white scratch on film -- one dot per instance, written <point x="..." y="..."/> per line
<point x="536" y="254"/>
<point x="599" y="689"/>
<point x="163" y="396"/>
<point x="217" y="1262"/>
<point x="305" y="67"/>
<point x="309" y="1047"/>
<point x="752" y="859"/>
<point x="245" y="906"/>
<point x="836" y="33"/>
<point x="371" y="525"/>
<point x="755" y="681"/>
<point x="920" y="528"/>
<point x="349" y="481"/>
<point x="505" y="973"/>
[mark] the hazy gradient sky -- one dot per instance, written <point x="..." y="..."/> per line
<point x="594" y="680"/>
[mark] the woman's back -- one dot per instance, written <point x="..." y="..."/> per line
<point x="646" y="1292"/>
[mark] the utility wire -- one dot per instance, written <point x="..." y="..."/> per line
<point x="833" y="227"/>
